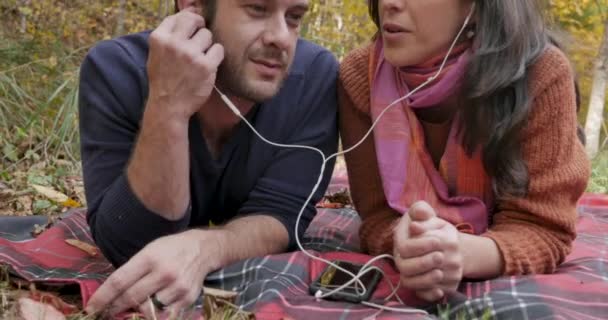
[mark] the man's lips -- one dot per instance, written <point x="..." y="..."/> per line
<point x="272" y="64"/>
<point x="268" y="68"/>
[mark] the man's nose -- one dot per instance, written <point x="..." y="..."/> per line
<point x="278" y="33"/>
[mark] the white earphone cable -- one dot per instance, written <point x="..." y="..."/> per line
<point x="368" y="267"/>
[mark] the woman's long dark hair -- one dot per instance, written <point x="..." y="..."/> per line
<point x="509" y="36"/>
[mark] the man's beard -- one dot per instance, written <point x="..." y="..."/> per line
<point x="231" y="75"/>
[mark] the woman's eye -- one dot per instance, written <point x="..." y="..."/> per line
<point x="295" y="19"/>
<point x="257" y="9"/>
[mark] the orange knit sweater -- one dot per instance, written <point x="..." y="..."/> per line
<point x="534" y="234"/>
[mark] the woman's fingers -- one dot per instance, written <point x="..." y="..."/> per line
<point x="418" y="228"/>
<point x="421" y="211"/>
<point x="417" y="247"/>
<point x="430" y="295"/>
<point x="429" y="280"/>
<point x="420" y="265"/>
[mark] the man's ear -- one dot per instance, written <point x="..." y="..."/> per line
<point x="192" y="5"/>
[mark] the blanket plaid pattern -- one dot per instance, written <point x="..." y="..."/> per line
<point x="276" y="287"/>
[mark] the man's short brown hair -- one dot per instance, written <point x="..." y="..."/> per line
<point x="209" y="6"/>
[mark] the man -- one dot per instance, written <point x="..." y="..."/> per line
<point x="164" y="158"/>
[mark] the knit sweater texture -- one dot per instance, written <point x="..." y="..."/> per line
<point x="533" y="233"/>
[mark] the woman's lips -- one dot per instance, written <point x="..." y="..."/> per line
<point x="393" y="28"/>
<point x="392" y="32"/>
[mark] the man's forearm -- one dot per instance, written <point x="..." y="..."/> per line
<point x="158" y="171"/>
<point x="243" y="238"/>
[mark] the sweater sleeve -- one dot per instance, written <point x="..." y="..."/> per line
<point x="110" y="106"/>
<point x="535" y="233"/>
<point x="378" y="219"/>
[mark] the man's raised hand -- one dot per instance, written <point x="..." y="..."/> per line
<point x="182" y="66"/>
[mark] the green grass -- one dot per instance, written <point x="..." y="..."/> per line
<point x="40" y="143"/>
<point x="446" y="313"/>
<point x="599" y="174"/>
<point x="38" y="108"/>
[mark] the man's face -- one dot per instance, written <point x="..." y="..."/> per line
<point x="259" y="37"/>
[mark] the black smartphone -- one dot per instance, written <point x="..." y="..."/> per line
<point x="332" y="278"/>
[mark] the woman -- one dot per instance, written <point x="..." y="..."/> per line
<point x="478" y="174"/>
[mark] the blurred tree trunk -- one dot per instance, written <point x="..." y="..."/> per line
<point x="120" y="24"/>
<point x="163" y="8"/>
<point x="593" y="125"/>
<point x="23" y="12"/>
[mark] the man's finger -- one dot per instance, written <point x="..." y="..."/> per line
<point x="117" y="283"/>
<point x="167" y="25"/>
<point x="215" y="54"/>
<point x="201" y="40"/>
<point x="148" y="309"/>
<point x="179" y="295"/>
<point x="187" y="23"/>
<point x="151" y="312"/>
<point x="418" y="247"/>
<point x="139" y="292"/>
<point x="420" y="265"/>
<point x="193" y="9"/>
<point x="421" y="211"/>
<point x="182" y="306"/>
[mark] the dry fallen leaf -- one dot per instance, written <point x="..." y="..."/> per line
<point x="50" y="193"/>
<point x="38" y="229"/>
<point x="54" y="301"/>
<point x="23" y="206"/>
<point x="71" y="204"/>
<point x="330" y="205"/>
<point x="6" y="193"/>
<point x="227" y="295"/>
<point x="89" y="249"/>
<point x="32" y="310"/>
<point x="219" y="304"/>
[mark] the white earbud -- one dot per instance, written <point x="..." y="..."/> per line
<point x="318" y="294"/>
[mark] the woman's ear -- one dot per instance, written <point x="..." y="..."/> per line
<point x="472" y="10"/>
<point x="191" y="5"/>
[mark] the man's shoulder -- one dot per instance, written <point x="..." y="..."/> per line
<point x="131" y="48"/>
<point x="113" y="77"/>
<point x="311" y="58"/>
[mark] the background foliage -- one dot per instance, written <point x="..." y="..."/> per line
<point x="42" y="43"/>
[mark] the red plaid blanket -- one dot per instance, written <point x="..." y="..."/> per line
<point x="276" y="287"/>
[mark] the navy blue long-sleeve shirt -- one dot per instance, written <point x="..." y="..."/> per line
<point x="249" y="176"/>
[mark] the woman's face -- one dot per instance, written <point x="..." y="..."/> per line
<point x="414" y="31"/>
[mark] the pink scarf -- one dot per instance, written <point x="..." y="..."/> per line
<point x="460" y="190"/>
